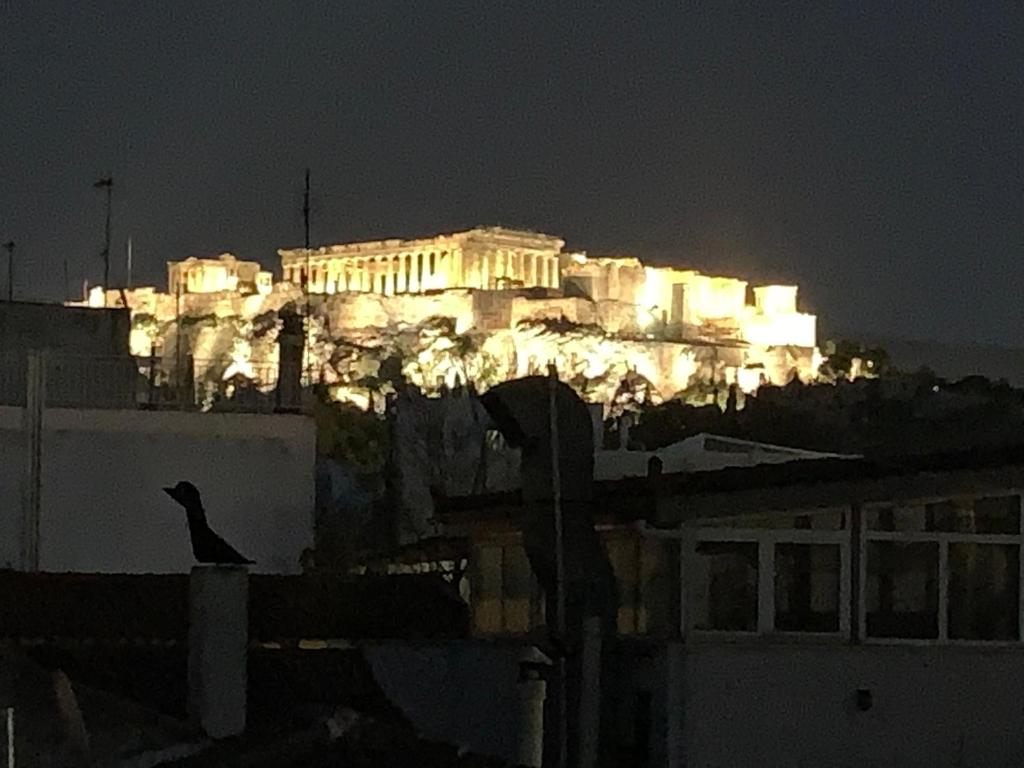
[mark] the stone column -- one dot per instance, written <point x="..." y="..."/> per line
<point x="458" y="268"/>
<point x="218" y="640"/>
<point x="414" y="273"/>
<point x="389" y="275"/>
<point x="444" y="273"/>
<point x="485" y="270"/>
<point x="401" y="286"/>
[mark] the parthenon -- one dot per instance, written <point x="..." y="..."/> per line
<point x="488" y="258"/>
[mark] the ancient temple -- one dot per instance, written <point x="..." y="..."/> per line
<point x="213" y="275"/>
<point x="489" y="258"/>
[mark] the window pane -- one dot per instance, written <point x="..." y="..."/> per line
<point x="889" y="517"/>
<point x="902" y="589"/>
<point x="725" y="588"/>
<point x="997" y="514"/>
<point x="950" y="517"/>
<point x="659" y="577"/>
<point x="807" y="587"/>
<point x="487" y="613"/>
<point x="983" y="584"/>
<point x="623" y="556"/>
<point x="517" y="589"/>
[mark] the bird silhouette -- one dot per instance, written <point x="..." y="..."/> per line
<point x="207" y="546"/>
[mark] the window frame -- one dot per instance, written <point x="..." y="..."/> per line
<point x="767" y="539"/>
<point x="943" y="540"/>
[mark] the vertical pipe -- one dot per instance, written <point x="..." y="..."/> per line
<point x="556" y="484"/>
<point x="9" y="717"/>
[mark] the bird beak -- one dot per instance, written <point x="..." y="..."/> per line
<point x="170" y="492"/>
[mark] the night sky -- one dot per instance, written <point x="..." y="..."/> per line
<point x="871" y="153"/>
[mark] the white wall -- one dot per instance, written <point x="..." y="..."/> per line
<point x="795" y="706"/>
<point x="102" y="508"/>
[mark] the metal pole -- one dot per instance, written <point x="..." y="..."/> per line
<point x="108" y="184"/>
<point x="129" y="260"/>
<point x="309" y="280"/>
<point x="9" y="712"/>
<point x="9" y="247"/>
<point x="556" y="482"/>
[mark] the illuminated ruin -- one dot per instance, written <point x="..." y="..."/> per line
<point x="479" y="307"/>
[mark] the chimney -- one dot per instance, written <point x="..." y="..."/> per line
<point x="218" y="645"/>
<point x="291" y="343"/>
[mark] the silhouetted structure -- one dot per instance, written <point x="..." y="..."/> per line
<point x="207" y="546"/>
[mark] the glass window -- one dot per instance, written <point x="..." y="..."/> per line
<point x="623" y="556"/>
<point x="807" y="587"/>
<point x="890" y="517"/>
<point x="517" y="589"/>
<point x="989" y="515"/>
<point x="659" y="579"/>
<point x="487" y="595"/>
<point x="997" y="514"/>
<point x="949" y="517"/>
<point x="902" y="589"/>
<point x="983" y="585"/>
<point x="644" y="578"/>
<point x="725" y="586"/>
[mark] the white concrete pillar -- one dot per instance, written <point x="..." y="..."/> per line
<point x="218" y="644"/>
<point x="532" y="691"/>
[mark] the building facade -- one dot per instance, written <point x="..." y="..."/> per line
<point x="832" y="612"/>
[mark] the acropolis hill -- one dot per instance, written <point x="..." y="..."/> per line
<point x="479" y="306"/>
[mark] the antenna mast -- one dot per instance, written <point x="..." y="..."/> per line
<point x="307" y="282"/>
<point x="107" y="184"/>
<point x="128" y="258"/>
<point x="9" y="247"/>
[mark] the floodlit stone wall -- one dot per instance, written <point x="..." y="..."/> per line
<point x="483" y="305"/>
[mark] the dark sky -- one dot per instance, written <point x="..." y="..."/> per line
<point x="872" y="153"/>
